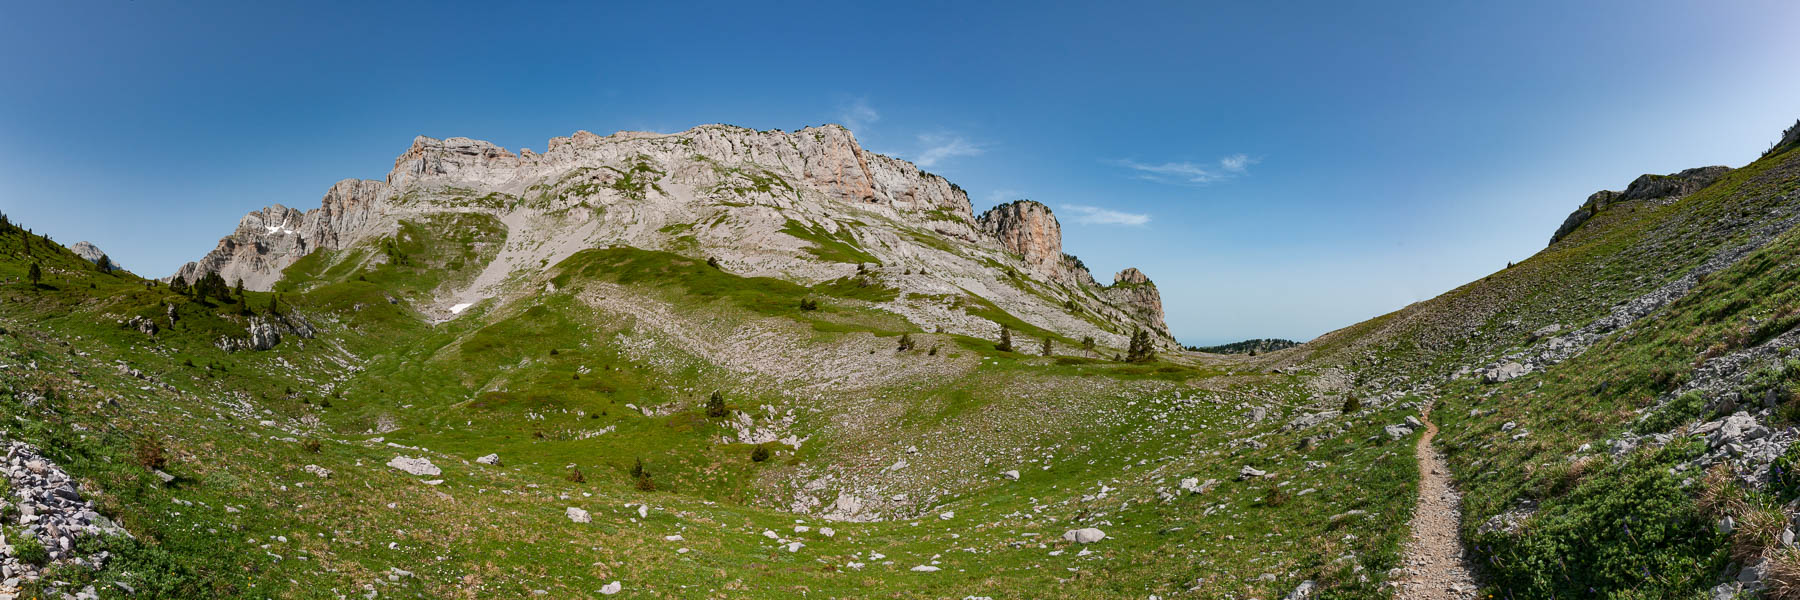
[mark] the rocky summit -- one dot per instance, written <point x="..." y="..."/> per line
<point x="726" y="363"/>
<point x="809" y="206"/>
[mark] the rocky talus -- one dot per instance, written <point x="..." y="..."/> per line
<point x="44" y="505"/>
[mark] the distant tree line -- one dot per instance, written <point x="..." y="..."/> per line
<point x="1256" y="346"/>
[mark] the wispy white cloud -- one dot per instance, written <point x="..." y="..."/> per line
<point x="1094" y="215"/>
<point x="857" y="114"/>
<point x="1236" y="163"/>
<point x="939" y="146"/>
<point x="1191" y="173"/>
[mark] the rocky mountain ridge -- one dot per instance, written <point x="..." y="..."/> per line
<point x="1645" y="187"/>
<point x="808" y="206"/>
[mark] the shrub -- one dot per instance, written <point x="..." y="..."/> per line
<point x="642" y="476"/>
<point x="149" y="453"/>
<point x="759" y="454"/>
<point x="1629" y="529"/>
<point x="808" y="304"/>
<point x="715" y="405"/>
<point x="1005" y="344"/>
<point x="27" y="548"/>
<point x="1676" y="411"/>
<point x="575" y="476"/>
<point x="1352" y="405"/>
<point x="311" y="446"/>
<point x="1784" y="474"/>
<point x="1275" y="497"/>
<point x="906" y="342"/>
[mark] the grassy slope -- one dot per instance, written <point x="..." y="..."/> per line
<point x="1616" y="527"/>
<point x="503" y="379"/>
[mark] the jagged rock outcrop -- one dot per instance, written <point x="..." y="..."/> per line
<point x="1645" y="187"/>
<point x="808" y="206"/>
<point x="87" y="251"/>
<point x="264" y="332"/>
<point x="1031" y="230"/>
<point x="268" y="240"/>
<point x="1134" y="290"/>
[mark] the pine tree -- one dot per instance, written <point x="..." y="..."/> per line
<point x="715" y="405"/>
<point x="1140" y="350"/>
<point x="1087" y="345"/>
<point x="178" y="285"/>
<point x="1005" y="344"/>
<point x="36" y="274"/>
<point x="275" y="304"/>
<point x="211" y="285"/>
<point x="104" y="264"/>
<point x="1047" y="347"/>
<point x="238" y="290"/>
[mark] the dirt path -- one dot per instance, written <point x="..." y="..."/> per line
<point x="1435" y="567"/>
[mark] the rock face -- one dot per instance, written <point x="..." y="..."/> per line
<point x="1134" y="290"/>
<point x="1645" y="187"/>
<point x="807" y="206"/>
<point x="87" y="251"/>
<point x="1030" y="230"/>
<point x="268" y="240"/>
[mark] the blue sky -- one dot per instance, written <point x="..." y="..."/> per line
<point x="1280" y="169"/>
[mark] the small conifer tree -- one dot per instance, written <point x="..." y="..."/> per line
<point x="1005" y="344"/>
<point x="35" y="274"/>
<point x="715" y="405"/>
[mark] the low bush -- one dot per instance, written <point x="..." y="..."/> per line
<point x="1628" y="531"/>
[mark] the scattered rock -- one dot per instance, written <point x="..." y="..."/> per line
<point x="415" y="466"/>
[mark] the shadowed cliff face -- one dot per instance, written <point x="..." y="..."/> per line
<point x="808" y="206"/>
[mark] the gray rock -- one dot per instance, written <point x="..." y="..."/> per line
<point x="415" y="466"/>
<point x="1087" y="535"/>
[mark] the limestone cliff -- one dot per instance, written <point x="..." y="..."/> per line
<point x="1030" y="230"/>
<point x="808" y="206"/>
<point x="1134" y="290"/>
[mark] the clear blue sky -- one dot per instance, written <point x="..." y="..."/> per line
<point x="1280" y="169"/>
